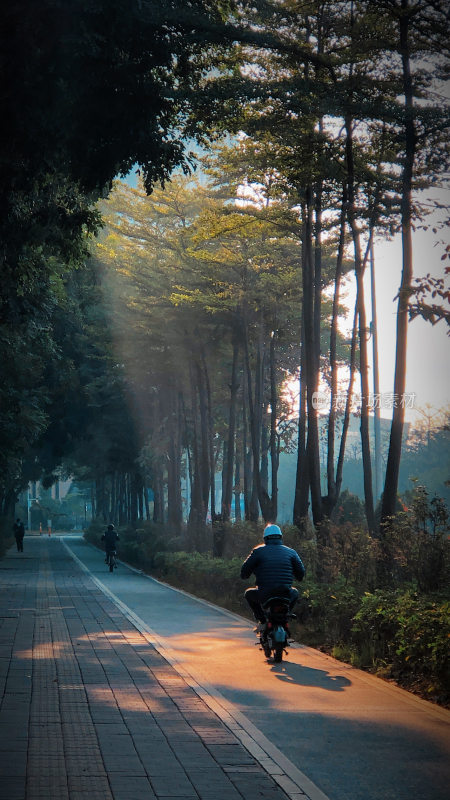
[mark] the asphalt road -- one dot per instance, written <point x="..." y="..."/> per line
<point x="354" y="736"/>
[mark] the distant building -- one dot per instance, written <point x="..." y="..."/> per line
<point x="29" y="504"/>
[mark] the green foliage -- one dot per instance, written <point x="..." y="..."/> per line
<point x="6" y="534"/>
<point x="332" y="608"/>
<point x="94" y="533"/>
<point x="349" y="509"/>
<point x="89" y="91"/>
<point x="305" y="546"/>
<point x="211" y="578"/>
<point x="415" y="543"/>
<point x="241" y="538"/>
<point x="408" y="635"/>
<point x="350" y="553"/>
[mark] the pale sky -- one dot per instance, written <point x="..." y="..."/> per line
<point x="428" y="364"/>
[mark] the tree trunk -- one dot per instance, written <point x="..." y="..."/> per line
<point x="256" y="413"/>
<point x="259" y="495"/>
<point x="363" y="330"/>
<point x="133" y="492"/>
<point x="274" y="449"/>
<point x="122" y="500"/>
<point x="237" y="493"/>
<point x="93" y="501"/>
<point x="189" y="474"/>
<point x="146" y="504"/>
<point x="197" y="512"/>
<point x="174" y="507"/>
<point x="265" y="443"/>
<point x="311" y="364"/>
<point x="111" y="496"/>
<point x="388" y="507"/>
<point x="140" y="497"/>
<point x="205" y="456"/>
<point x="318" y="269"/>
<point x="301" y="499"/>
<point x="331" y="498"/>
<point x="376" y="379"/>
<point x="229" y="461"/>
<point x="348" y="404"/>
<point x="98" y="497"/>
<point x="158" y="493"/>
<point x="224" y="477"/>
<point x="210" y="440"/>
<point x="246" y="457"/>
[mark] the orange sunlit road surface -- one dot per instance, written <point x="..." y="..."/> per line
<point x="353" y="735"/>
<point x="305" y="682"/>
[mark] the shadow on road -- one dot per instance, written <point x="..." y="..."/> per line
<point x="307" y="676"/>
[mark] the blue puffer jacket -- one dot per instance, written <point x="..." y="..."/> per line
<point x="274" y="565"/>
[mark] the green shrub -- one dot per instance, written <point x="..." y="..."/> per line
<point x="350" y="509"/>
<point x="6" y="534"/>
<point x="375" y="626"/>
<point x="407" y="634"/>
<point x="241" y="538"/>
<point x="415" y="544"/>
<point x="347" y="553"/>
<point x="94" y="532"/>
<point x="332" y="610"/>
<point x="214" y="579"/>
<point x="305" y="546"/>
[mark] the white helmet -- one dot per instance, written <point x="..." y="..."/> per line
<point x="272" y="531"/>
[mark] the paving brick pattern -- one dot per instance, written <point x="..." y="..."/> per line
<point x="89" y="709"/>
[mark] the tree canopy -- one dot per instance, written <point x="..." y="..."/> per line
<point x="335" y="127"/>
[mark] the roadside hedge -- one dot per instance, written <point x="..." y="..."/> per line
<point x="406" y="636"/>
<point x="6" y="534"/>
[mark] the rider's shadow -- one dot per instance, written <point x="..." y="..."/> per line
<point x="307" y="676"/>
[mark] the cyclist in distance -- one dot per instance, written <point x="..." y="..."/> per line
<point x="110" y="537"/>
<point x="274" y="566"/>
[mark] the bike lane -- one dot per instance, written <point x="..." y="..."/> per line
<point x="341" y="731"/>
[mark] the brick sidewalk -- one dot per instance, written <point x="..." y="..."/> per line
<point x="89" y="709"/>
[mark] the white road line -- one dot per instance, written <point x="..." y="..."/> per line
<point x="292" y="780"/>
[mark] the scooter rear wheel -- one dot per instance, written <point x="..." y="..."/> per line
<point x="278" y="653"/>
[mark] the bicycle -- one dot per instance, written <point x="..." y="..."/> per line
<point x="111" y="560"/>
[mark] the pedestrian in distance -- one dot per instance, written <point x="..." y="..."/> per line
<point x="19" y="533"/>
<point x="274" y="566"/>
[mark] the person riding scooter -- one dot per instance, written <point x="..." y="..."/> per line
<point x="274" y="566"/>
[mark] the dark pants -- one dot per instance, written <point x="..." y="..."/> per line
<point x="19" y="543"/>
<point x="256" y="596"/>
